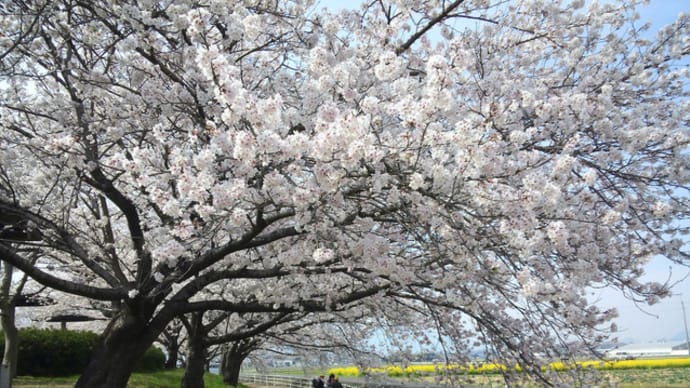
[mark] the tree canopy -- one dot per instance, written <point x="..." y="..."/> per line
<point x="282" y="158"/>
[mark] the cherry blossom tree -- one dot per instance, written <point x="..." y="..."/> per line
<point x="315" y="340"/>
<point x="203" y="333"/>
<point x="12" y="292"/>
<point x="172" y="339"/>
<point x="235" y="336"/>
<point x="286" y="159"/>
<point x="233" y="355"/>
<point x="11" y="295"/>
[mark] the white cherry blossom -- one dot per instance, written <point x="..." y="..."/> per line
<point x="180" y="157"/>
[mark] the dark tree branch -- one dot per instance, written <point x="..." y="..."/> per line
<point x="444" y="14"/>
<point x="9" y="255"/>
<point x="242" y="334"/>
<point x="249" y="240"/>
<point x="99" y="181"/>
<point x="64" y="242"/>
<point x="177" y="307"/>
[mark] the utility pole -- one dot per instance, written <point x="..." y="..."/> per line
<point x="685" y="323"/>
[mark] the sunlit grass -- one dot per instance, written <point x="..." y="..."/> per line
<point x="162" y="379"/>
<point x="644" y="378"/>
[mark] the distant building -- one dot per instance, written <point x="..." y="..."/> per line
<point x="645" y="350"/>
<point x="683" y="347"/>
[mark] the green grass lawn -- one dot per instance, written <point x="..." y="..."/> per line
<point x="630" y="378"/>
<point x="624" y="378"/>
<point x="163" y="379"/>
<point x="656" y="378"/>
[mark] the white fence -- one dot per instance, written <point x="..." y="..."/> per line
<point x="286" y="381"/>
<point x="282" y="381"/>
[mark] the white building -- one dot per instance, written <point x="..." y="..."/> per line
<point x="648" y="350"/>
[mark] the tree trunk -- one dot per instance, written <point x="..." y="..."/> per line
<point x="233" y="357"/>
<point x="171" y="339"/>
<point x="121" y="346"/>
<point x="7" y="319"/>
<point x="196" y="354"/>
<point x="11" y="340"/>
<point x="173" y="349"/>
<point x="230" y="367"/>
<point x="194" y="372"/>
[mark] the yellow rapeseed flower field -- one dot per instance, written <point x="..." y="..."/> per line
<point x="487" y="368"/>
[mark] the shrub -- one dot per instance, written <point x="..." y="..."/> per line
<point x="153" y="360"/>
<point x="54" y="352"/>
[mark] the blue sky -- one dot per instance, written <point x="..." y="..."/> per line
<point x="640" y="323"/>
<point x="665" y="319"/>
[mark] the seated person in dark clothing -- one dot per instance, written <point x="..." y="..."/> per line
<point x="318" y="383"/>
<point x="336" y="383"/>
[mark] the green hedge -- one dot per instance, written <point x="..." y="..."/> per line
<point x="65" y="352"/>
<point x="153" y="360"/>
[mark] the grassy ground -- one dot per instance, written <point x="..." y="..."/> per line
<point x="657" y="378"/>
<point x="671" y="372"/>
<point x="628" y="378"/>
<point x="163" y="379"/>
